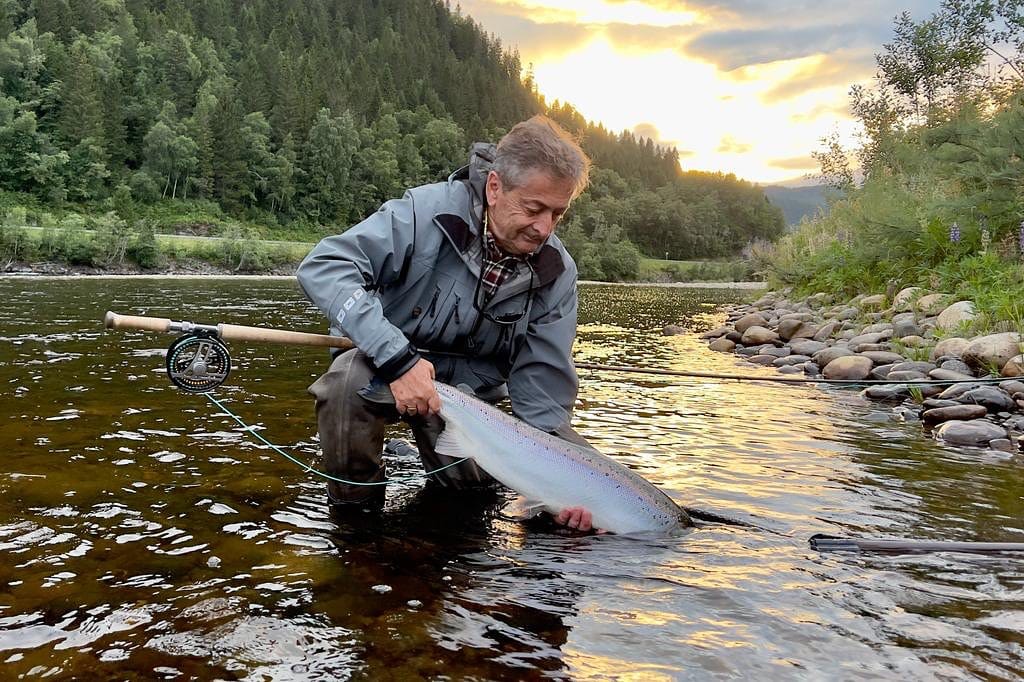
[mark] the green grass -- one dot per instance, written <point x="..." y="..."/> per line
<point x="661" y="270"/>
<point x="118" y="246"/>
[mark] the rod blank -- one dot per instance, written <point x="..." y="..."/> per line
<point x="829" y="543"/>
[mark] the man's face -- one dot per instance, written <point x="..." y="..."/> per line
<point x="522" y="219"/>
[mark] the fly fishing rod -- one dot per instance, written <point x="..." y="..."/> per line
<point x="198" y="361"/>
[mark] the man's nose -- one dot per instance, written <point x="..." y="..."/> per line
<point x="545" y="223"/>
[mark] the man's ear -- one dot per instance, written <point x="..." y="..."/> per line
<point x="492" y="187"/>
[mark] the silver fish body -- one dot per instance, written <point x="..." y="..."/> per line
<point x="550" y="472"/>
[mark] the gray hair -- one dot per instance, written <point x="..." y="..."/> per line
<point x="541" y="144"/>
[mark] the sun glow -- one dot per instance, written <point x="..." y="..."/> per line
<point x="630" y="65"/>
<point x="718" y="122"/>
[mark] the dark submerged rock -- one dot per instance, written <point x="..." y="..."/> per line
<point x="977" y="432"/>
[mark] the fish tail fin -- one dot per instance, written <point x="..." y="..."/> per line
<point x="690" y="513"/>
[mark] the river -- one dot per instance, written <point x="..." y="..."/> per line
<point x="143" y="535"/>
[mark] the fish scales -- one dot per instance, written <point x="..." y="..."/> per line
<point x="551" y="472"/>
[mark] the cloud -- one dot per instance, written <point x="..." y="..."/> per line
<point x="794" y="163"/>
<point x="553" y="31"/>
<point x="830" y="110"/>
<point x="759" y="31"/>
<point x="842" y="69"/>
<point x="520" y="28"/>
<point x="729" y="145"/>
<point x="763" y="31"/>
<point x="648" y="38"/>
<point x="799" y="13"/>
<point x="734" y="49"/>
<point x="647" y="130"/>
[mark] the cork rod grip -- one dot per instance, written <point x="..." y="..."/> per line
<point x="152" y="324"/>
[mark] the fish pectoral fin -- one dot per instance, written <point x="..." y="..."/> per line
<point x="521" y="508"/>
<point x="451" y="443"/>
<point x="377" y="391"/>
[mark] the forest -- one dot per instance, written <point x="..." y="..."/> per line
<point x="296" y="119"/>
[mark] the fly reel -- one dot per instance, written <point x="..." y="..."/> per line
<point x="198" y="362"/>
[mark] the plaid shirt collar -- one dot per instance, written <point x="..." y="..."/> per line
<point x="497" y="265"/>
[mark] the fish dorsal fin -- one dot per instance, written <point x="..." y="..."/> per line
<point x="453" y="443"/>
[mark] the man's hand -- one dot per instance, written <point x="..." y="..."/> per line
<point x="414" y="391"/>
<point x="576" y="518"/>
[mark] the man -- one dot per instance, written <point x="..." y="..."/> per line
<point x="461" y="281"/>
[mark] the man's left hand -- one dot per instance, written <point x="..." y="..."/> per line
<point x="576" y="518"/>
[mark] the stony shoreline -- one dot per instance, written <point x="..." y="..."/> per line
<point x="197" y="268"/>
<point x="909" y="339"/>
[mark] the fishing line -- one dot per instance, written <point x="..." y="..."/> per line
<point x="307" y="468"/>
<point x="787" y="380"/>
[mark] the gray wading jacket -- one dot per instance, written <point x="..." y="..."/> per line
<point x="404" y="283"/>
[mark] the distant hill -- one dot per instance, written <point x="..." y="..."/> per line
<point x="797" y="202"/>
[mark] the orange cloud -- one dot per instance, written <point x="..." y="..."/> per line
<point x="830" y="110"/>
<point x="729" y="145"/>
<point x="795" y="163"/>
<point x="842" y="70"/>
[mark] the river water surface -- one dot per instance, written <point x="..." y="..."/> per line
<point x="143" y="535"/>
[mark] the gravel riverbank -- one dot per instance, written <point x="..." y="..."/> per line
<point x="915" y="338"/>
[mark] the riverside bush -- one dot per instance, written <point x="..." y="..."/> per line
<point x="943" y="220"/>
<point x="111" y="240"/>
<point x="243" y="252"/>
<point x="941" y="204"/>
<point x="15" y="245"/>
<point x="710" y="271"/>
<point x="143" y="247"/>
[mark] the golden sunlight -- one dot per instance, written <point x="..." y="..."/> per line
<point x="732" y="92"/>
<point x="717" y="122"/>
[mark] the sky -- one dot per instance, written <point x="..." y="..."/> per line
<point x="740" y="86"/>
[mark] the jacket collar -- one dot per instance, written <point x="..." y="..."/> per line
<point x="547" y="262"/>
<point x="474" y="174"/>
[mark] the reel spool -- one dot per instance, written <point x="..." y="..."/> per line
<point x="198" y="362"/>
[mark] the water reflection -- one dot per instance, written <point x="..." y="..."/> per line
<point x="144" y="535"/>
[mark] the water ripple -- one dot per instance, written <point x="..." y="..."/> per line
<point x="141" y="530"/>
